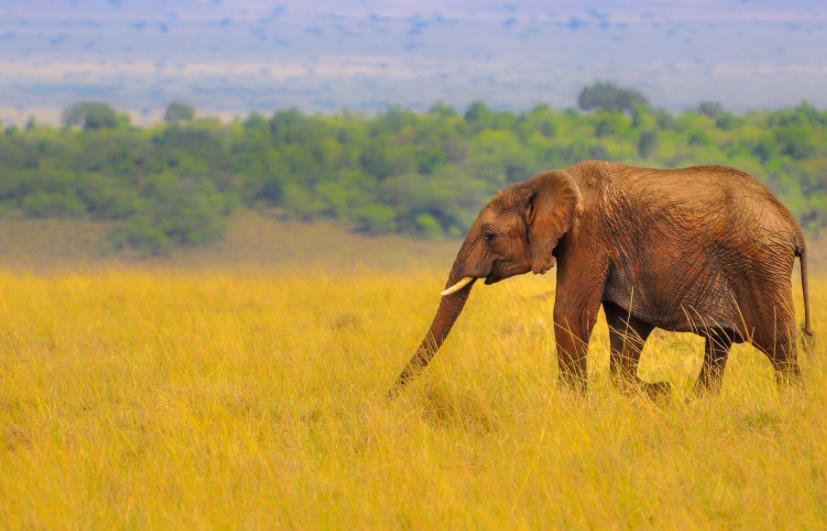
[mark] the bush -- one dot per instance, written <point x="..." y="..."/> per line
<point x="141" y="234"/>
<point x="428" y="226"/>
<point x="195" y="219"/>
<point x="103" y="199"/>
<point x="48" y="205"/>
<point x="375" y="219"/>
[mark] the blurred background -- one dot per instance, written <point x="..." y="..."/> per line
<point x="217" y="131"/>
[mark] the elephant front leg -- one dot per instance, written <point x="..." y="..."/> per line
<point x="572" y="329"/>
<point x="581" y="279"/>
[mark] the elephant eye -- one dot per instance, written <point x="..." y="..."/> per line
<point x="488" y="237"/>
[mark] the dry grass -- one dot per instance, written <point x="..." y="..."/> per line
<point x="165" y="399"/>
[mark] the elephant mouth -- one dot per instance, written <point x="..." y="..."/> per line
<point x="494" y="276"/>
<point x="497" y="274"/>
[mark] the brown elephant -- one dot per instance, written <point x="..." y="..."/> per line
<point x="705" y="249"/>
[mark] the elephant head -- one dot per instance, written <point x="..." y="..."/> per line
<point x="516" y="232"/>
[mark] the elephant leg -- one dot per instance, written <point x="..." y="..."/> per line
<point x="627" y="335"/>
<point x="776" y="338"/>
<point x="572" y="329"/>
<point x="716" y="352"/>
<point x="785" y="363"/>
<point x="581" y="281"/>
<point x="784" y="358"/>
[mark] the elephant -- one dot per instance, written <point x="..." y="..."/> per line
<point x="703" y="249"/>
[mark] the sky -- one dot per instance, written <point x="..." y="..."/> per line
<point x="232" y="57"/>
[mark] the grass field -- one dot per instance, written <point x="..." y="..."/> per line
<point x="164" y="398"/>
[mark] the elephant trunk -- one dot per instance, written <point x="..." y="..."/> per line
<point x="450" y="306"/>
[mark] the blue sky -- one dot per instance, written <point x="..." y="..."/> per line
<point x="232" y="57"/>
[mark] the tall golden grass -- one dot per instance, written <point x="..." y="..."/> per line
<point x="135" y="398"/>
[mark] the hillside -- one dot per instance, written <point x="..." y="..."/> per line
<point x="253" y="240"/>
<point x="423" y="174"/>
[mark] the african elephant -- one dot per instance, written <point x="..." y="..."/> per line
<point x="706" y="249"/>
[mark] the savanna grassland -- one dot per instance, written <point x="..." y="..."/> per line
<point x="135" y="397"/>
<point x="199" y="323"/>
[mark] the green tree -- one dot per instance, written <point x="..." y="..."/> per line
<point x="178" y="111"/>
<point x="90" y="115"/>
<point x="608" y="96"/>
<point x="712" y="109"/>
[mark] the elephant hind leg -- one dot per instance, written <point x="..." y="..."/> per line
<point x="776" y="338"/>
<point x="784" y="358"/>
<point x="716" y="353"/>
<point x="627" y="335"/>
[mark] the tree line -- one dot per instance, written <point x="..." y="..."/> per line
<point x="420" y="173"/>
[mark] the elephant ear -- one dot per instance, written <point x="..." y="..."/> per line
<point x="553" y="201"/>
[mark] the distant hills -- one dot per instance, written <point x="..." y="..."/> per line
<point x="231" y="57"/>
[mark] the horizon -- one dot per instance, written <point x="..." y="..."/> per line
<point x="53" y="117"/>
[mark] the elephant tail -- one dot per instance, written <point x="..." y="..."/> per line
<point x="807" y="329"/>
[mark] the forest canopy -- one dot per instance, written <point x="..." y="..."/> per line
<point x="420" y="173"/>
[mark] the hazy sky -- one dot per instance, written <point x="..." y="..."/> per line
<point x="236" y="56"/>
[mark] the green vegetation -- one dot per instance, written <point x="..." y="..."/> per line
<point x="609" y="97"/>
<point x="90" y="115"/>
<point x="423" y="173"/>
<point x="178" y="111"/>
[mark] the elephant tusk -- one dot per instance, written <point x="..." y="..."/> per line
<point x="458" y="286"/>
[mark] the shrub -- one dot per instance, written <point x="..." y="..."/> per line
<point x="141" y="234"/>
<point x="57" y="205"/>
<point x="428" y="226"/>
<point x="375" y="218"/>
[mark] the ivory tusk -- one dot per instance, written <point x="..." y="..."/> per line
<point x="458" y="286"/>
